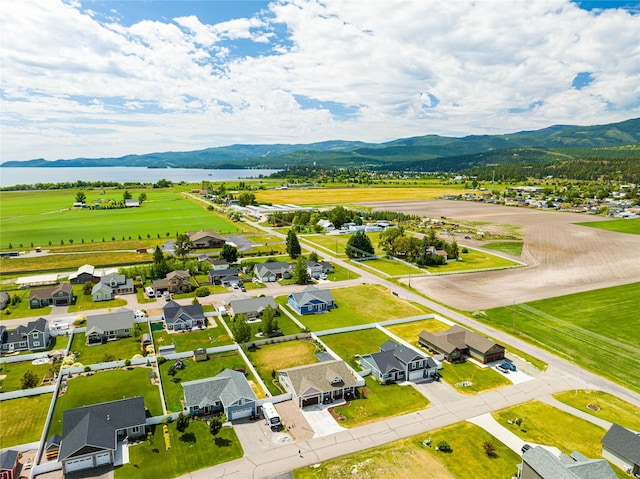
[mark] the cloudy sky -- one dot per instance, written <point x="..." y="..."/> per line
<point x="109" y="78"/>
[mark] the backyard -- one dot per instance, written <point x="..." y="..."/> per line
<point x="349" y="346"/>
<point x="29" y="427"/>
<point x="122" y="349"/>
<point x="192" y="340"/>
<point x="481" y="379"/>
<point x="13" y="373"/>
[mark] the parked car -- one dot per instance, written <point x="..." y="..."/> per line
<point x="150" y="292"/>
<point x="167" y="295"/>
<point x="255" y="280"/>
<point x="502" y="369"/>
<point x="235" y="286"/>
<point x="138" y="313"/>
<point x="323" y="276"/>
<point x="508" y="364"/>
<point x="525" y="448"/>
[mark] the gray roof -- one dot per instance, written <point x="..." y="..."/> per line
<point x="249" y="305"/>
<point x="276" y="267"/>
<point x="320" y="376"/>
<point x="95" y="426"/>
<point x="4" y="299"/>
<point x="549" y="466"/>
<point x="457" y="337"/>
<point x="100" y="286"/>
<point x="173" y="312"/>
<point x="8" y="459"/>
<point x="21" y="332"/>
<point x="311" y="293"/>
<point x="54" y="440"/>
<point x="114" y="277"/>
<point x="121" y="318"/>
<point x="393" y="356"/>
<point x="623" y="442"/>
<point x="227" y="387"/>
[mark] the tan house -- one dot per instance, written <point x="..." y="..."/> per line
<point x="206" y="239"/>
<point x="456" y="343"/>
<point x="177" y="281"/>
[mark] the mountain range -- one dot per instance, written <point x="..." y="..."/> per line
<point x="420" y="153"/>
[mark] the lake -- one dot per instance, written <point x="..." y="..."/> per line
<point x="121" y="174"/>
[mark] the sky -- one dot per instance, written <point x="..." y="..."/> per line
<point x="97" y="78"/>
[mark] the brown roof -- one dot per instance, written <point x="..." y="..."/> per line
<point x="458" y="337"/>
<point x="198" y="235"/>
<point x="325" y="376"/>
<point x="184" y="275"/>
<point x="44" y="293"/>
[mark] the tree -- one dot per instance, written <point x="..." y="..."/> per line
<point x="29" y="380"/>
<point x="229" y="253"/>
<point x="300" y="272"/>
<point x="241" y="329"/>
<point x="293" y="245"/>
<point x="182" y="423"/>
<point x="313" y="256"/>
<point x="489" y="448"/>
<point x="444" y="446"/>
<point x="388" y="237"/>
<point x="142" y="198"/>
<point x="183" y="246"/>
<point x="269" y="321"/>
<point x="137" y="331"/>
<point x="452" y="250"/>
<point x="126" y="195"/>
<point x="87" y="287"/>
<point x="246" y="199"/>
<point x="158" y="255"/>
<point x="215" y="425"/>
<point x="339" y="216"/>
<point x="359" y="246"/>
<point x="80" y="197"/>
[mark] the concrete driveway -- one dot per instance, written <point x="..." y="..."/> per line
<point x="256" y="436"/>
<point x="321" y="420"/>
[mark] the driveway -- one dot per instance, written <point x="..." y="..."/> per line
<point x="438" y="393"/>
<point x="257" y="437"/>
<point x="321" y="420"/>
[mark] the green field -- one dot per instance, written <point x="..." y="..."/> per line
<point x="621" y="226"/>
<point x="29" y="427"/>
<point x="348" y="345"/>
<point x="592" y="329"/>
<point x="609" y="407"/>
<point x="481" y="379"/>
<point x="473" y="260"/>
<point x="192" y="340"/>
<point x="15" y="371"/>
<point x="410" y="331"/>
<point x="36" y="217"/>
<point x="391" y="266"/>
<point x="119" y="350"/>
<point x="514" y="248"/>
<point x="336" y="244"/>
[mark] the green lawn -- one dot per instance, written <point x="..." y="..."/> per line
<point x="15" y="371"/>
<point x="195" y="450"/>
<point x="285" y="324"/>
<point x="591" y="329"/>
<point x="336" y="244"/>
<point x="106" y="386"/>
<point x="373" y="403"/>
<point x="22" y="309"/>
<point x="513" y="248"/>
<point x="29" y="427"/>
<point x="56" y="343"/>
<point x="410" y="459"/>
<point x="482" y="379"/>
<point x="192" y="340"/>
<point x="121" y="349"/>
<point x="340" y="274"/>
<point x="363" y="304"/>
<point x="173" y="391"/>
<point x="66" y="262"/>
<point x="473" y="260"/>
<point x="86" y="302"/>
<point x="410" y="331"/>
<point x="391" y="266"/>
<point x="621" y="225"/>
<point x="611" y="408"/>
<point x="348" y="345"/>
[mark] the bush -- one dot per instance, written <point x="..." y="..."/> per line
<point x="161" y="360"/>
<point x="444" y="446"/>
<point x="87" y="369"/>
<point x="202" y="291"/>
<point x="127" y="362"/>
<point x="489" y="448"/>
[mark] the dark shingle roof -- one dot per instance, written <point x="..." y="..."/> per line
<point x="8" y="459"/>
<point x="457" y="337"/>
<point x="173" y="311"/>
<point x="249" y="305"/>
<point x="311" y="293"/>
<point x="227" y="387"/>
<point x="623" y="442"/>
<point x="549" y="466"/>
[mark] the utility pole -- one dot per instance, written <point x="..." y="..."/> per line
<point x="513" y="314"/>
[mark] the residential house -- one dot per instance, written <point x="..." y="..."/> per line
<point x="224" y="277"/>
<point x="622" y="447"/>
<point x="177" y="281"/>
<point x="85" y="273"/>
<point x="219" y="264"/>
<point x="206" y="239"/>
<point x="251" y="307"/>
<point x="9" y="464"/>
<point x="312" y="300"/>
<point x="52" y="447"/>
<point x="395" y="362"/>
<point x="272" y="271"/>
<point x="34" y="336"/>
<point x="318" y="268"/>
<point x="539" y="463"/>
<point x="228" y="393"/>
<point x="320" y="382"/>
<point x="90" y="434"/>
<point x="4" y="299"/>
<point x="182" y="318"/>
<point x="59" y="295"/>
<point x="112" y="285"/>
<point x="326" y="225"/>
<point x="456" y="343"/>
<point x="110" y="326"/>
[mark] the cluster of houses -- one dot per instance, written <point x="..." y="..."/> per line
<point x="34" y="336"/>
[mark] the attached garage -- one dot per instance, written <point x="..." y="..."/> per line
<point x="103" y="458"/>
<point x="415" y="375"/>
<point x="240" y="413"/>
<point x="310" y="401"/>
<point x="79" y="464"/>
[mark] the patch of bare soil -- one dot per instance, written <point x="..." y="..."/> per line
<point x="562" y="257"/>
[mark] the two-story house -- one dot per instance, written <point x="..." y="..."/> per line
<point x="395" y="362"/>
<point x="34" y="336"/>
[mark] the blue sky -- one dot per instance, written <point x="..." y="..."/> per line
<point x="102" y="78"/>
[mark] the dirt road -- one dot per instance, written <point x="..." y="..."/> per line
<point x="563" y="257"/>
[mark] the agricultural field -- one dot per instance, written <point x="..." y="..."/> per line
<point x="71" y="261"/>
<point x="621" y="226"/>
<point x="29" y="427"/>
<point x="571" y="326"/>
<point x="514" y="248"/>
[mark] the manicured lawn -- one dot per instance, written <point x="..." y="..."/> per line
<point x="336" y="244"/>
<point x="363" y="304"/>
<point x="391" y="266"/>
<point x="195" y="450"/>
<point x="513" y="248"/>
<point x="173" y="391"/>
<point x="409" y="459"/>
<point x="482" y="379"/>
<point x="621" y="225"/>
<point x="29" y="427"/>
<point x="86" y="302"/>
<point x="285" y="324"/>
<point x="473" y="260"/>
<point x="273" y="357"/>
<point x="121" y="349"/>
<point x="410" y="331"/>
<point x="348" y="345"/>
<point x="374" y="405"/>
<point x="56" y="343"/>
<point x="192" y="340"/>
<point x="106" y="386"/>
<point x="612" y="409"/>
<point x="15" y="371"/>
<point x="340" y="274"/>
<point x="22" y="309"/>
<point x="591" y="329"/>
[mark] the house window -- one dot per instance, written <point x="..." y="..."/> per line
<point x="22" y="344"/>
<point x="126" y="331"/>
<point x="136" y="429"/>
<point x="36" y="344"/>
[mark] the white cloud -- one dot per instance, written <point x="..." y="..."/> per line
<point x="73" y="86"/>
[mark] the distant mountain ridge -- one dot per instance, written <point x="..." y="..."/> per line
<point x="429" y="152"/>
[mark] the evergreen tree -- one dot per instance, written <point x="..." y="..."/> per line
<point x="229" y="253"/>
<point x="241" y="329"/>
<point x="182" y="423"/>
<point x="269" y="321"/>
<point x="293" y="245"/>
<point x="29" y="380"/>
<point x="359" y="246"/>
<point x="300" y="272"/>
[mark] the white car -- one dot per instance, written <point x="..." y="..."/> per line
<point x="323" y="276"/>
<point x="139" y="313"/>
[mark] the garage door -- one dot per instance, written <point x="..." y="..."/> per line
<point x="240" y="413"/>
<point x="78" y="464"/>
<point x="310" y="401"/>
<point x="413" y="375"/>
<point x="103" y="458"/>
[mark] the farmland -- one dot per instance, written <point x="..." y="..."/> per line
<point x="621" y="226"/>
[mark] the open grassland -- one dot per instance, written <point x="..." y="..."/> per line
<point x="15" y="371"/>
<point x="71" y="261"/>
<point x="40" y="217"/>
<point x="336" y="244"/>
<point x="356" y="343"/>
<point x="621" y="226"/>
<point x="391" y="266"/>
<point x="29" y="427"/>
<point x="410" y="459"/>
<point x="410" y="331"/>
<point x="192" y="340"/>
<point x="611" y="408"/>
<point x="514" y="248"/>
<point x="481" y="379"/>
<point x="106" y="386"/>
<point x="591" y="329"/>
<point x="341" y="196"/>
<point x="152" y="459"/>
<point x="274" y="357"/>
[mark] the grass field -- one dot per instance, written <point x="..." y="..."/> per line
<point x="36" y="217"/>
<point x="611" y="408"/>
<point x="121" y="349"/>
<point x="29" y="427"/>
<point x="514" y="248"/>
<point x="336" y="244"/>
<point x="591" y="329"/>
<point x="482" y="379"/>
<point x="192" y="340"/>
<point x="409" y="331"/>
<point x="473" y="260"/>
<point x="409" y="459"/>
<point x="70" y="261"/>
<point x="621" y="226"/>
<point x="391" y="267"/>
<point x="151" y="459"/>
<point x="15" y="371"/>
<point x="106" y="386"/>
<point x="347" y="345"/>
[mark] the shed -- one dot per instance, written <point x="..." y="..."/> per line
<point x="145" y="341"/>
<point x="200" y="354"/>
